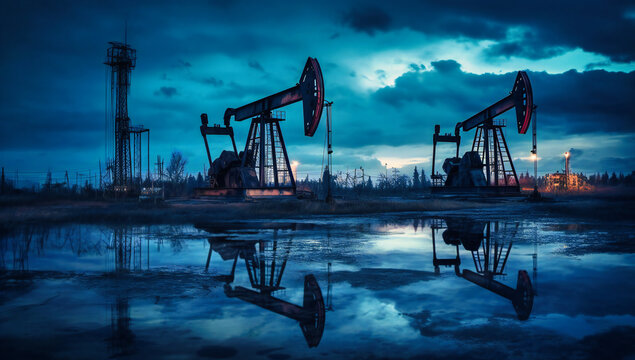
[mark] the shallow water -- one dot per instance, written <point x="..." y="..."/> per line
<point x="325" y="287"/>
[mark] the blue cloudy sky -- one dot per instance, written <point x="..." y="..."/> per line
<point x="393" y="70"/>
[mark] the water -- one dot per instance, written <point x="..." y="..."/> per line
<point x="382" y="286"/>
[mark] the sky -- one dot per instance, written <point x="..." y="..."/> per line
<point x="392" y="69"/>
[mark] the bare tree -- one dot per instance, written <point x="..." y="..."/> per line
<point x="176" y="168"/>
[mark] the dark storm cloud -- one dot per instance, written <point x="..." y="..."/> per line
<point x="183" y="63"/>
<point x="595" y="26"/>
<point x="595" y="65"/>
<point x="509" y="49"/>
<point x="167" y="91"/>
<point x="255" y="65"/>
<point x="576" y="152"/>
<point x="571" y="102"/>
<point x="445" y="66"/>
<point x="212" y="81"/>
<point x="530" y="47"/>
<point x="368" y="19"/>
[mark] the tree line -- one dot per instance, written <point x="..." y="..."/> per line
<point x="174" y="181"/>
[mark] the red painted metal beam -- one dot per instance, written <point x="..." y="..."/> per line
<point x="310" y="89"/>
<point x="520" y="98"/>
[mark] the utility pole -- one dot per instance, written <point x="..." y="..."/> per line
<point x="100" y="183"/>
<point x="534" y="153"/>
<point x="329" y="163"/>
<point x="148" y="162"/>
<point x="362" y="169"/>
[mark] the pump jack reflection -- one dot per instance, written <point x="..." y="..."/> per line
<point x="265" y="263"/>
<point x="489" y="258"/>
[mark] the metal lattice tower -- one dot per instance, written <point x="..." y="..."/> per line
<point x="122" y="59"/>
<point x="490" y="144"/>
<point x="266" y="152"/>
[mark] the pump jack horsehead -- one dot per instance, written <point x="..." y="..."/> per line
<point x="263" y="167"/>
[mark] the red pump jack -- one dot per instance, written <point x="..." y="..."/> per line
<point x="490" y="153"/>
<point x="263" y="167"/>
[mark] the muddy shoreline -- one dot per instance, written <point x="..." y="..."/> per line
<point x="188" y="211"/>
<point x="192" y="211"/>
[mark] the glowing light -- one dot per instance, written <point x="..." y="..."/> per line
<point x="399" y="162"/>
<point x="532" y="157"/>
<point x="294" y="167"/>
<point x="566" y="154"/>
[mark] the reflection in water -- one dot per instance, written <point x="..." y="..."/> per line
<point x="125" y="248"/>
<point x="122" y="338"/>
<point x="329" y="287"/>
<point x="66" y="307"/>
<point x="265" y="262"/>
<point x="490" y="258"/>
<point x="18" y="243"/>
<point x="128" y="251"/>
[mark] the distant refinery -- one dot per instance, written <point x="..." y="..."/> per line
<point x="566" y="181"/>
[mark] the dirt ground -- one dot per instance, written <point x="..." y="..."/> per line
<point x="192" y="211"/>
<point x="601" y="206"/>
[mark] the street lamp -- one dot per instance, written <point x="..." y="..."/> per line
<point x="534" y="154"/>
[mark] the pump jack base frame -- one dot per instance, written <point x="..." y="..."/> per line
<point x="477" y="190"/>
<point x="242" y="193"/>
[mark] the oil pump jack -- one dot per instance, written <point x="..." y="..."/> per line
<point x="263" y="167"/>
<point x="488" y="167"/>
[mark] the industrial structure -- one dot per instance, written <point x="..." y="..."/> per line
<point x="488" y="167"/>
<point x="123" y="162"/>
<point x="566" y="181"/>
<point x="489" y="256"/>
<point x="265" y="262"/>
<point x="263" y="167"/>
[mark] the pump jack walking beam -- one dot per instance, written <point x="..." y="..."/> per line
<point x="521" y="98"/>
<point x="522" y="297"/>
<point x="310" y="89"/>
